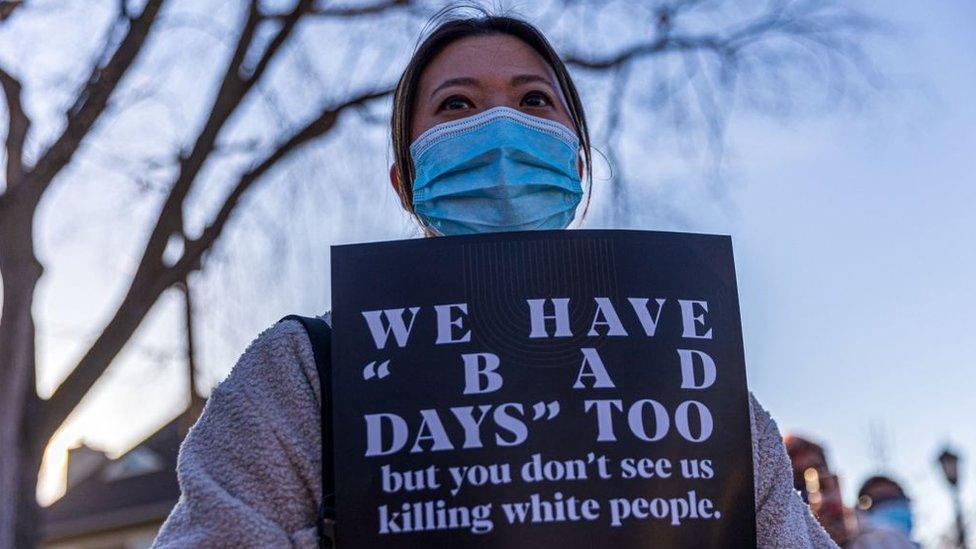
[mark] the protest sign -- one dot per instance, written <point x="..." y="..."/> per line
<point x="541" y="389"/>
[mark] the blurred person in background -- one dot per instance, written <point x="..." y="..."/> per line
<point x="819" y="487"/>
<point x="884" y="516"/>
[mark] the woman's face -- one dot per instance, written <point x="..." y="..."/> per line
<point x="477" y="73"/>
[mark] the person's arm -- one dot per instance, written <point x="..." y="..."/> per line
<point x="782" y="518"/>
<point x="249" y="470"/>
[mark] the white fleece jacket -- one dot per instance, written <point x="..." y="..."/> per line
<point x="249" y="470"/>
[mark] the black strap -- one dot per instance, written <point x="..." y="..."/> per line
<point x="320" y="334"/>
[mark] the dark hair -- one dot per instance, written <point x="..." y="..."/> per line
<point x="404" y="97"/>
<point x="796" y="445"/>
<point x="867" y="497"/>
<point x="879" y="480"/>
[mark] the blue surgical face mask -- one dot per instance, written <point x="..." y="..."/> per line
<point x="894" y="514"/>
<point x="498" y="170"/>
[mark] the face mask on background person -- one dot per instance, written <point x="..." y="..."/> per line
<point x="498" y="170"/>
<point x="896" y="514"/>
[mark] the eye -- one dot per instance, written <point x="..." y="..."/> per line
<point x="536" y="99"/>
<point x="455" y="103"/>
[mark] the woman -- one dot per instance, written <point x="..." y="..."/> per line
<point x="488" y="135"/>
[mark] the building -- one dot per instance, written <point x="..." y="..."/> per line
<point x="117" y="503"/>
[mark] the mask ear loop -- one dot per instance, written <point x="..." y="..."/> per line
<point x="578" y="221"/>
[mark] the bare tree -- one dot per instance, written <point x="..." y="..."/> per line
<point x="693" y="61"/>
<point x="759" y="45"/>
<point x="26" y="421"/>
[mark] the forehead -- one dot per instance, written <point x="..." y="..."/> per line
<point x="489" y="58"/>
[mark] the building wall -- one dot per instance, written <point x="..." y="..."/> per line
<point x="139" y="537"/>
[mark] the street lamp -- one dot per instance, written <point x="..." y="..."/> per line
<point x="950" y="468"/>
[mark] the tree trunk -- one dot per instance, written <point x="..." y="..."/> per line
<point x="27" y="529"/>
<point x="19" y="404"/>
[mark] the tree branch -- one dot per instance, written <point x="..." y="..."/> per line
<point x="233" y="88"/>
<point x="807" y="20"/>
<point x="17" y="125"/>
<point x="7" y="8"/>
<point x="369" y="9"/>
<point x="93" y="98"/>
<point x="648" y="49"/>
<point x="290" y="20"/>
<point x="316" y="128"/>
<point x="153" y="278"/>
<point x="145" y="287"/>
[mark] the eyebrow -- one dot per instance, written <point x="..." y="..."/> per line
<point x="463" y="81"/>
<point x="529" y="78"/>
<point x="517" y="80"/>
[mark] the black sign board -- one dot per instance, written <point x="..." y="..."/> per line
<point x="541" y="389"/>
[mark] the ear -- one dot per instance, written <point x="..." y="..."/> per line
<point x="395" y="179"/>
<point x="579" y="165"/>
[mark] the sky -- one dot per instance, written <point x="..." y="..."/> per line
<point x="853" y="237"/>
<point x="856" y="259"/>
